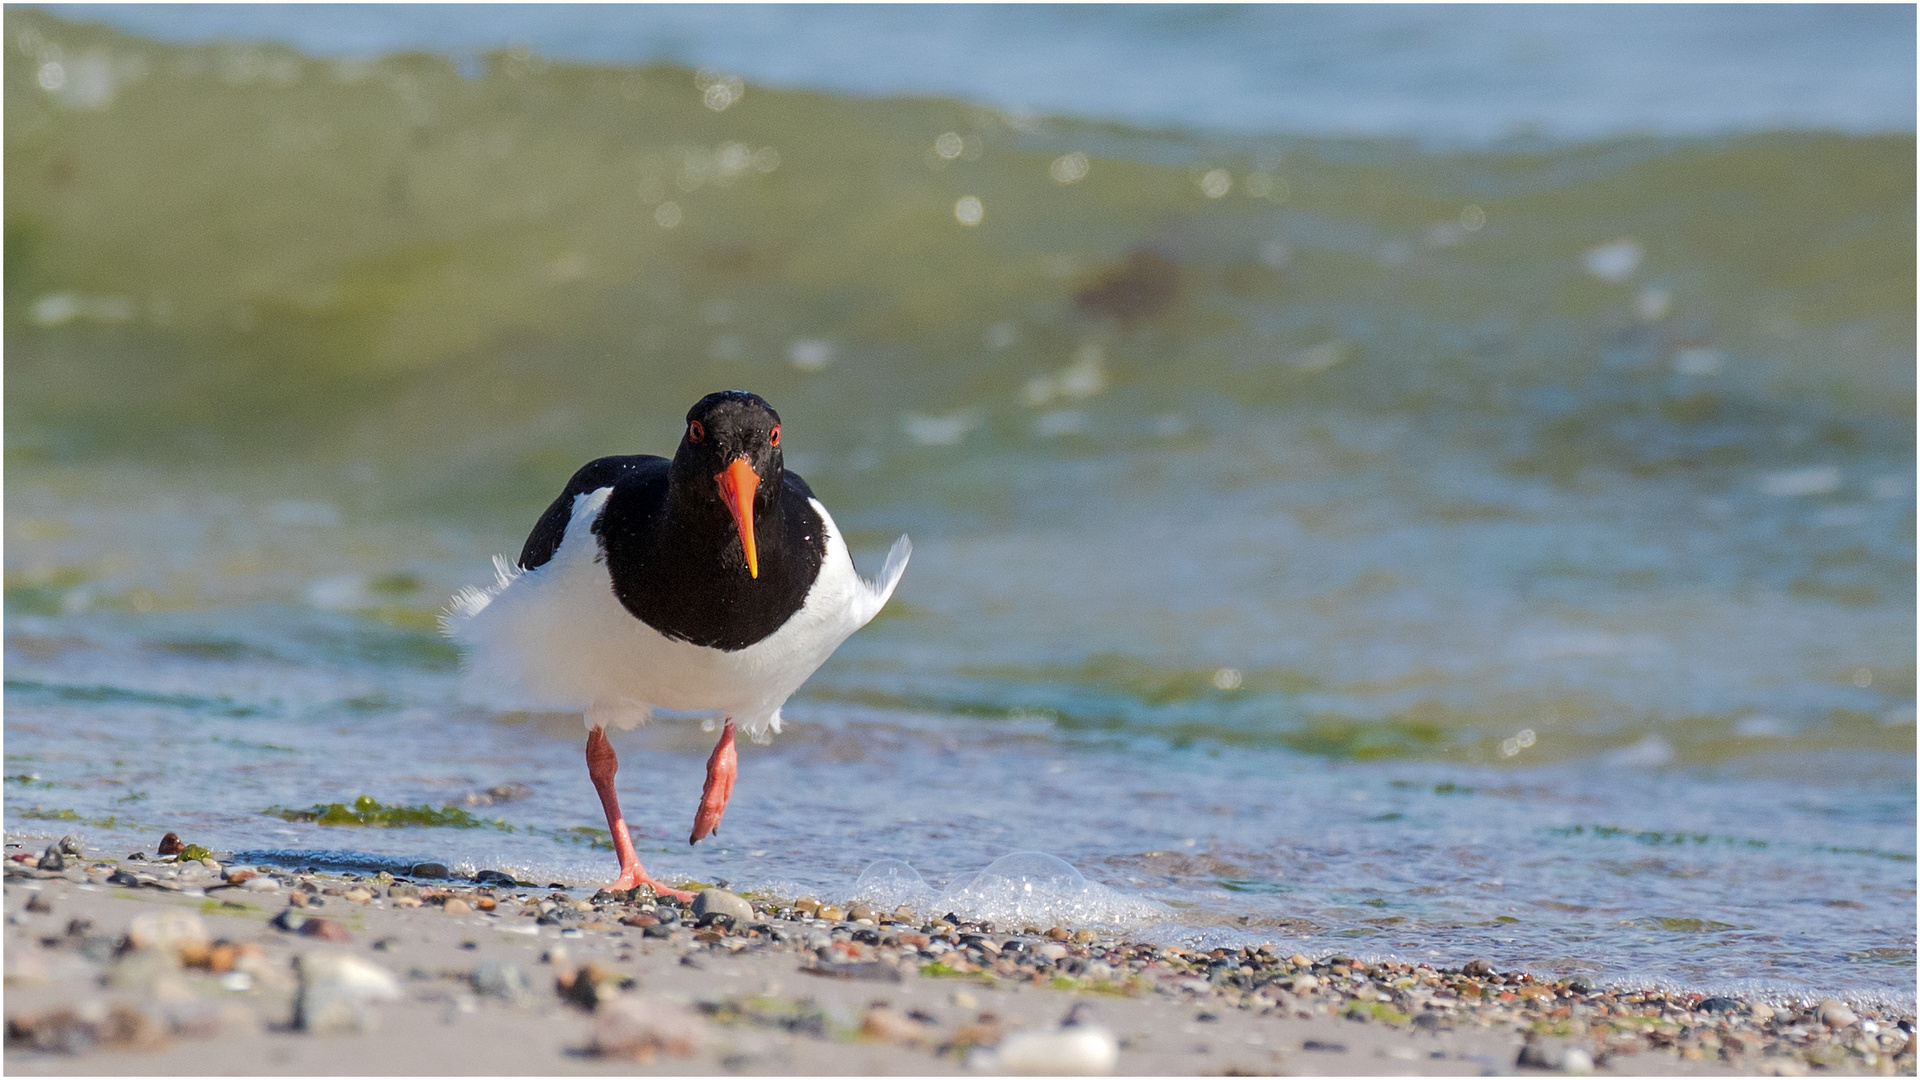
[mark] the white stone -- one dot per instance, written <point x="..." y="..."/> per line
<point x="1084" y="1050"/>
<point x="167" y="930"/>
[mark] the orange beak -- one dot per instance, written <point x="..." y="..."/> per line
<point x="737" y="485"/>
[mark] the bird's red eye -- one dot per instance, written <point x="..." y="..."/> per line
<point x="695" y="431"/>
<point x="774" y="438"/>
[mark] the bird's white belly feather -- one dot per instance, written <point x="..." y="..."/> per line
<point x="557" y="638"/>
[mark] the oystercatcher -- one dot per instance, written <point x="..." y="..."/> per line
<point x="713" y="582"/>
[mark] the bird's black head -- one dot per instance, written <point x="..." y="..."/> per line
<point x="730" y="452"/>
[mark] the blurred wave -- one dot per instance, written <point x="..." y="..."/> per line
<point x="1439" y="74"/>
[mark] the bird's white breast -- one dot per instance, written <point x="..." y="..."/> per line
<point x="557" y="638"/>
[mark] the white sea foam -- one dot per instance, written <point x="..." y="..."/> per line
<point x="1024" y="888"/>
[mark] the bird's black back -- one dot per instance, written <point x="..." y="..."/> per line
<point x="547" y="533"/>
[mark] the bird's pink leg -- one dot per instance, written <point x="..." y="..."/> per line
<point x="722" y="766"/>
<point x="601" y="765"/>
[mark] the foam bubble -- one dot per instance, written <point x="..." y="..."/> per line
<point x="890" y="883"/>
<point x="1034" y="888"/>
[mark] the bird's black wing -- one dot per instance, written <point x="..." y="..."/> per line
<point x="545" y="538"/>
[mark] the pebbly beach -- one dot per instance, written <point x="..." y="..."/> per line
<point x="191" y="965"/>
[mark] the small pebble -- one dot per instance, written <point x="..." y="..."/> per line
<point x="887" y="1024"/>
<point x="1835" y="1014"/>
<point x="260" y="884"/>
<point x="832" y="913"/>
<point x="636" y="1027"/>
<point x="324" y="929"/>
<point x="457" y="906"/>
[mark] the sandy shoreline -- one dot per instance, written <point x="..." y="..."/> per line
<point x="152" y="967"/>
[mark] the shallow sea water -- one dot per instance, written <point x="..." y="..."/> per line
<point x="1498" y="554"/>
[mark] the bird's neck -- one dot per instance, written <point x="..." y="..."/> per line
<point x="694" y="510"/>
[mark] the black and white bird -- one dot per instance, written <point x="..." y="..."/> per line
<point x="714" y="582"/>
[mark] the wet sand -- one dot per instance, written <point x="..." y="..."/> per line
<point x="153" y="967"/>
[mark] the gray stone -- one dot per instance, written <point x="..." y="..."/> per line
<point x="70" y="845"/>
<point x="1835" y="1014"/>
<point x="721" y="902"/>
<point x="1560" y="1055"/>
<point x="504" y="980"/>
<point x="341" y="993"/>
<point x="52" y="860"/>
<point x="434" y="870"/>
